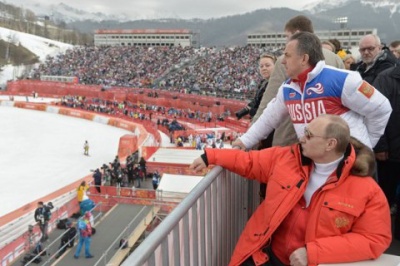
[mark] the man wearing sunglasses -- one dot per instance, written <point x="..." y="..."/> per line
<point x="313" y="88"/>
<point x="322" y="205"/>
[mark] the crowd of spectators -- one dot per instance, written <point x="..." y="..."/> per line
<point x="221" y="72"/>
<point x="159" y="114"/>
<point x="114" y="66"/>
<point x="225" y="72"/>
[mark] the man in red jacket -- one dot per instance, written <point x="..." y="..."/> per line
<point x="321" y="206"/>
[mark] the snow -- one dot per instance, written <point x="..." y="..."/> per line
<point x="42" y="152"/>
<point x="40" y="46"/>
<point x="36" y="44"/>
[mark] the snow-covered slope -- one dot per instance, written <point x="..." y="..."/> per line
<point x="37" y="45"/>
<point x="40" y="46"/>
<point x="325" y="5"/>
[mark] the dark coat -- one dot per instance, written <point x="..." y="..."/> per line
<point x="97" y="177"/>
<point x="388" y="83"/>
<point x="42" y="214"/>
<point x="383" y="62"/>
<point x="255" y="103"/>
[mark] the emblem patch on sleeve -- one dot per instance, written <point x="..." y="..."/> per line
<point x="366" y="89"/>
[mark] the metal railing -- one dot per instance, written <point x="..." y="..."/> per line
<point x="56" y="242"/>
<point x="11" y="231"/>
<point x="204" y="228"/>
<point x="105" y="257"/>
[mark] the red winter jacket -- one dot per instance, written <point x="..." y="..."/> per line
<point x="349" y="216"/>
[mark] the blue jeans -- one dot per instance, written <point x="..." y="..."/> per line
<point x="86" y="241"/>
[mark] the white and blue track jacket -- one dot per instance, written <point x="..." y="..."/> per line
<point x="327" y="90"/>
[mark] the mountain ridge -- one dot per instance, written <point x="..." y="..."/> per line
<point x="233" y="30"/>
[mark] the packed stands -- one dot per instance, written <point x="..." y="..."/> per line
<point x="226" y="73"/>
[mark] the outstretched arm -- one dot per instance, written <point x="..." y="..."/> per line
<point x="198" y="165"/>
<point x="270" y="119"/>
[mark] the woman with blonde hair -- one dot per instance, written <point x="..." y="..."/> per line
<point x="348" y="60"/>
<point x="266" y="65"/>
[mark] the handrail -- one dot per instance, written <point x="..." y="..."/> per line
<point x="55" y="241"/>
<point x="16" y="229"/>
<point x="203" y="228"/>
<point x="105" y="253"/>
<point x="11" y="231"/>
<point x="147" y="247"/>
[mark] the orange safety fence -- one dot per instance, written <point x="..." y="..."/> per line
<point x="52" y="88"/>
<point x="128" y="144"/>
<point x="33" y="205"/>
<point x="117" y="122"/>
<point x="152" y="128"/>
<point x="76" y="113"/>
<point x="139" y="96"/>
<point x="112" y="191"/>
<point x="23" y="87"/>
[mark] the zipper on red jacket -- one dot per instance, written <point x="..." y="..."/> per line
<point x="300" y="183"/>
<point x="262" y="234"/>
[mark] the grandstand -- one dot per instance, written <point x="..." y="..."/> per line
<point x="64" y="198"/>
<point x="348" y="38"/>
<point x="113" y="89"/>
<point x="146" y="37"/>
<point x="224" y="73"/>
<point x="225" y="190"/>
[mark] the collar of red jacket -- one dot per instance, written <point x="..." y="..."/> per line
<point x="302" y="78"/>
<point x="344" y="166"/>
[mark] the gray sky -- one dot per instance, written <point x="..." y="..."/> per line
<point x="173" y="8"/>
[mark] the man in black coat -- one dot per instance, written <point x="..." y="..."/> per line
<point x="387" y="151"/>
<point x="97" y="179"/>
<point x="374" y="58"/>
<point x="67" y="239"/>
<point x="42" y="217"/>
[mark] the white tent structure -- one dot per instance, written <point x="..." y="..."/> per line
<point x="176" y="187"/>
<point x="175" y="156"/>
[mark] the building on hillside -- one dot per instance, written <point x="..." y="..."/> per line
<point x="144" y="37"/>
<point x="349" y="38"/>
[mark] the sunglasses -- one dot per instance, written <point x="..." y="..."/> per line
<point x="367" y="49"/>
<point x="308" y="135"/>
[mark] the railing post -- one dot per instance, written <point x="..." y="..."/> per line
<point x="204" y="226"/>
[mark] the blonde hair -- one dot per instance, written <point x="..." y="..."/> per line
<point x="347" y="57"/>
<point x="330" y="45"/>
<point x="268" y="55"/>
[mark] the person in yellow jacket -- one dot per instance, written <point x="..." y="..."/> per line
<point x="81" y="190"/>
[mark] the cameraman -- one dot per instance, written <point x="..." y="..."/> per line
<point x="266" y="66"/>
<point x="42" y="217"/>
